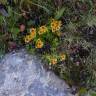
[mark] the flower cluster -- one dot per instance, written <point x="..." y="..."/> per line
<point x="62" y="57"/>
<point x="31" y="36"/>
<point x="42" y="30"/>
<point x="33" y="33"/>
<point x="55" y="25"/>
<point x="54" y="60"/>
<point x="38" y="36"/>
<point x="39" y="43"/>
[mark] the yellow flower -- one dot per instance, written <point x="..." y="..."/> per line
<point x="53" y="29"/>
<point x="39" y="43"/>
<point x="32" y="33"/>
<point x="62" y="57"/>
<point x="42" y="30"/>
<point x="27" y="39"/>
<point x="32" y="30"/>
<point x="55" y="25"/>
<point x="53" y="61"/>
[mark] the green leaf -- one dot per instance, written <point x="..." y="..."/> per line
<point x="29" y="2"/>
<point x="14" y="32"/>
<point x="59" y="13"/>
<point x="3" y="1"/>
<point x="93" y="94"/>
<point x="82" y="91"/>
<point x="30" y="23"/>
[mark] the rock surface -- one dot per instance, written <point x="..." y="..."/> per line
<point x="23" y="75"/>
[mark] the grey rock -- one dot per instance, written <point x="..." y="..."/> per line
<point x="24" y="75"/>
<point x="2" y="78"/>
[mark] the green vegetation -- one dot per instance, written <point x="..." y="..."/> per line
<point x="62" y="32"/>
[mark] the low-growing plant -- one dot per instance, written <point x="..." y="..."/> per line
<point x="66" y="44"/>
